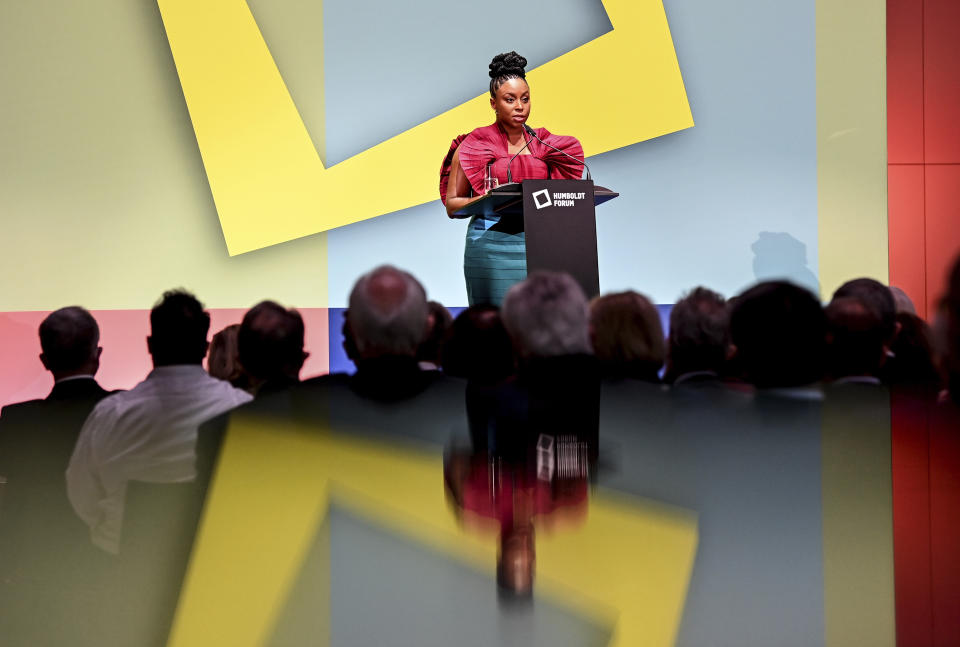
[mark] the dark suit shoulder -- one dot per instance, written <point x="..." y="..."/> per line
<point x="19" y="408"/>
<point x="81" y="389"/>
<point x="324" y="380"/>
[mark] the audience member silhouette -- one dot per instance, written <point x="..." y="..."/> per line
<point x="879" y="299"/>
<point x="149" y="433"/>
<point x="223" y="360"/>
<point x="855" y="342"/>
<point x="42" y="543"/>
<point x="556" y="390"/>
<point x="270" y="351"/>
<point x="778" y="331"/>
<point x="699" y="338"/>
<point x="270" y="342"/>
<point x="876" y="297"/>
<point x="388" y="313"/>
<point x="385" y="323"/>
<point x="38" y="436"/>
<point x="913" y="349"/>
<point x="547" y="316"/>
<point x="438" y="324"/>
<point x="270" y="347"/>
<point x="902" y="302"/>
<point x="627" y="336"/>
<point x="478" y="347"/>
<point x="390" y="394"/>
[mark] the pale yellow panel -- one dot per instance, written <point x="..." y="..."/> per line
<point x="858" y="591"/>
<point x="263" y="510"/>
<point x="103" y="195"/>
<point x="851" y="141"/>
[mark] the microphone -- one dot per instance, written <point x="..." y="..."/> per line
<point x="509" y="176"/>
<point x="534" y="134"/>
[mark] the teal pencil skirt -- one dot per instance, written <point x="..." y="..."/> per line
<point x="494" y="259"/>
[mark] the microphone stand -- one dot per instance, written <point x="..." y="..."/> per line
<point x="534" y="135"/>
<point x="509" y="176"/>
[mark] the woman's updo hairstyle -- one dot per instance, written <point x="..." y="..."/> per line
<point x="504" y="67"/>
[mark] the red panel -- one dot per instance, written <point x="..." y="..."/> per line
<point x="904" y="81"/>
<point x="125" y="360"/>
<point x="21" y="375"/>
<point x="906" y="232"/>
<point x="911" y="521"/>
<point x="941" y="73"/>
<point x="942" y="197"/>
<point x="945" y="526"/>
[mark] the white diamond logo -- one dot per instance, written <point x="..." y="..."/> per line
<point x="542" y="199"/>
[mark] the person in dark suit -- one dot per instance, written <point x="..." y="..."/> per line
<point x="270" y="354"/>
<point x="37" y="437"/>
<point x="69" y="339"/>
<point x="556" y="390"/>
<point x="390" y="394"/>
<point x="42" y="542"/>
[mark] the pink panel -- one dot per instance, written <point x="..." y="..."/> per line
<point x="21" y="375"/>
<point x="905" y="230"/>
<point x="123" y="336"/>
<point x="904" y="81"/>
<point x="942" y="196"/>
<point x="125" y="360"/>
<point x="941" y="75"/>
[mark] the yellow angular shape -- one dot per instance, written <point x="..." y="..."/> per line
<point x="627" y="567"/>
<point x="268" y="181"/>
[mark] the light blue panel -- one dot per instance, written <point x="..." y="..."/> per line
<point x="392" y="65"/>
<point x="723" y="204"/>
<point x="385" y="590"/>
<point x="752" y="474"/>
<point x="421" y="240"/>
<point x="695" y="204"/>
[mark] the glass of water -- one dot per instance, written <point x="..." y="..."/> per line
<point x="490" y="181"/>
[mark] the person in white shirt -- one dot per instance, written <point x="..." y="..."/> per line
<point x="149" y="432"/>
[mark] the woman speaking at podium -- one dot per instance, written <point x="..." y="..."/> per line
<point x="495" y="255"/>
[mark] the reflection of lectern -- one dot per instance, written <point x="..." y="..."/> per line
<point x="559" y="219"/>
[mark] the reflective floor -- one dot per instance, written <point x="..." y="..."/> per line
<point x="561" y="511"/>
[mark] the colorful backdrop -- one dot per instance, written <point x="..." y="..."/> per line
<point x="747" y="142"/>
<point x="280" y="149"/>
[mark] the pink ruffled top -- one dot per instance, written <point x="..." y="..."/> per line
<point x="489" y="144"/>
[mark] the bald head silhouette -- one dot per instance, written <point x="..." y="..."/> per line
<point x="387" y="314"/>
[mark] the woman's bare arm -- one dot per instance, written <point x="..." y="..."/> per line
<point x="458" y="187"/>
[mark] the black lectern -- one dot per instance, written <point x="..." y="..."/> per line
<point x="559" y="219"/>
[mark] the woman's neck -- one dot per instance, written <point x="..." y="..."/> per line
<point x="514" y="133"/>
